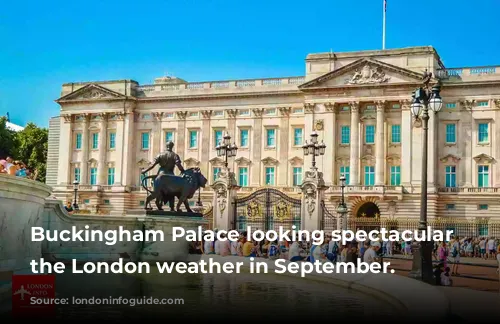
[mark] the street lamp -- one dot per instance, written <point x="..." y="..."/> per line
<point x="226" y="149"/>
<point x="75" y="188"/>
<point x="424" y="98"/>
<point x="314" y="148"/>
<point x="342" y="208"/>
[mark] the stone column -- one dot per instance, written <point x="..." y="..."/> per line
<point x="225" y="189"/>
<point x="313" y="190"/>
<point x="102" y="172"/>
<point x="406" y="139"/>
<point x="129" y="152"/>
<point x="380" y="145"/>
<point x="465" y="136"/>
<point x="84" y="168"/>
<point x="120" y="132"/>
<point x="231" y="130"/>
<point x="181" y="134"/>
<point x="156" y="135"/>
<point x="205" y="141"/>
<point x="284" y="166"/>
<point x="309" y="109"/>
<point x="330" y="138"/>
<point x="65" y="149"/>
<point x="432" y="152"/>
<point x="354" y="156"/>
<point x="256" y="147"/>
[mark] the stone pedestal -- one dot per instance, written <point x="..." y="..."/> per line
<point x="313" y="189"/>
<point x="225" y="189"/>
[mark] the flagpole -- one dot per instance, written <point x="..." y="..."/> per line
<point x="383" y="26"/>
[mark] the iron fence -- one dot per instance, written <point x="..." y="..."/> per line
<point x="328" y="219"/>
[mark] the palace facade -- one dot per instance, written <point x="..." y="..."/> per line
<point x="358" y="103"/>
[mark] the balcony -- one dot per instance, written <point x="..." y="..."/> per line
<point x="469" y="73"/>
<point x="368" y="190"/>
<point x="468" y="190"/>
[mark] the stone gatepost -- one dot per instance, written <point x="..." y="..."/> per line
<point x="313" y="190"/>
<point x="225" y="189"/>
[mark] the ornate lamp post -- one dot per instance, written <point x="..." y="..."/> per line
<point x="226" y="149"/>
<point x="342" y="208"/>
<point x="423" y="99"/>
<point x="75" y="188"/>
<point x="314" y="148"/>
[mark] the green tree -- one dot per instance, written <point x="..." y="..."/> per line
<point x="31" y="148"/>
<point x="7" y="140"/>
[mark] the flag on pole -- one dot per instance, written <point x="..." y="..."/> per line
<point x="385" y="5"/>
<point x="383" y="25"/>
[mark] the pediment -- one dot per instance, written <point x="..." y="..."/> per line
<point x="216" y="161"/>
<point x="296" y="161"/>
<point x="450" y="158"/>
<point x="242" y="161"/>
<point x="364" y="72"/>
<point x="269" y="161"/>
<point x="191" y="162"/>
<point x="483" y="158"/>
<point x="91" y="92"/>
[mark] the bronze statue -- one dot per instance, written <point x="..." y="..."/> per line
<point x="167" y="185"/>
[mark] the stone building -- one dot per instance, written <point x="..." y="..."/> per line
<point x="358" y="103"/>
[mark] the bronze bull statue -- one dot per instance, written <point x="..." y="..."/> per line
<point x="167" y="187"/>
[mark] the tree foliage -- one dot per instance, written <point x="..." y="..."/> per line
<point x="29" y="145"/>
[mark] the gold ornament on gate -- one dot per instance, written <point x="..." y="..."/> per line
<point x="282" y="211"/>
<point x="254" y="210"/>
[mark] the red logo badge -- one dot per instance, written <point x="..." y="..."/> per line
<point x="31" y="295"/>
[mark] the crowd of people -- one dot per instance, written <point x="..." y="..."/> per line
<point x="15" y="168"/>
<point x="332" y="251"/>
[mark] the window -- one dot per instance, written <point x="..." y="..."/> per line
<point x="111" y="176"/>
<point x="271" y="137"/>
<point x="271" y="111"/>
<point x="297" y="136"/>
<point x="95" y="141"/>
<point x="112" y="140"/>
<point x="451" y="176"/>
<point x="243" y="176"/>
<point x="451" y="105"/>
<point x="345" y="134"/>
<point x="141" y="177"/>
<point x="396" y="134"/>
<point x="483" y="176"/>
<point x="344" y="170"/>
<point x="193" y="139"/>
<point x="86" y="201"/>
<point x="219" y="113"/>
<point x="395" y="175"/>
<point x="141" y="202"/>
<point x="169" y="136"/>
<point x="450" y="206"/>
<point x="370" y="107"/>
<point x="369" y="175"/>
<point x="145" y="141"/>
<point x="298" y="110"/>
<point x="483" y="133"/>
<point x="78" y="144"/>
<point x="193" y="114"/>
<point x="482" y="207"/>
<point x="169" y="115"/>
<point x="396" y="106"/>
<point x="451" y="133"/>
<point x="93" y="176"/>
<point x="191" y="203"/>
<point x="483" y="229"/>
<point x="297" y="176"/>
<point x="77" y="174"/>
<point x="270" y="176"/>
<point x="244" y="112"/>
<point x="216" y="172"/>
<point x="482" y="103"/>
<point x="243" y="137"/>
<point x="369" y="134"/>
<point x="217" y="137"/>
<point x="106" y="201"/>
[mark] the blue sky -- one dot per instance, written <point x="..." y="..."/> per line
<point x="48" y="43"/>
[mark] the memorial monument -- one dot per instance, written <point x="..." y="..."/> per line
<point x="167" y="186"/>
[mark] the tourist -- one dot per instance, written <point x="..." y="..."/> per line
<point x="248" y="249"/>
<point x="21" y="169"/>
<point x="265" y="247"/>
<point x="217" y="247"/>
<point x="315" y="253"/>
<point x="491" y="248"/>
<point x="68" y="207"/>
<point x="333" y="250"/>
<point x="370" y="254"/>
<point x="234" y="247"/>
<point x="446" y="278"/>
<point x="273" y="250"/>
<point x="482" y="247"/>
<point x="469" y="249"/>
<point x="2" y="168"/>
<point x="208" y="247"/>
<point x="224" y="246"/>
<point x="455" y="253"/>
<point x="438" y="270"/>
<point x="443" y="253"/>
<point x="294" y="252"/>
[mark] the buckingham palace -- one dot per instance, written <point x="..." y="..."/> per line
<point x="357" y="102"/>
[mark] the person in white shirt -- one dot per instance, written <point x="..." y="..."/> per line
<point x="294" y="252"/>
<point x="446" y="278"/>
<point x="491" y="248"/>
<point x="455" y="253"/>
<point x="208" y="247"/>
<point x="482" y="248"/>
<point x="234" y="248"/>
<point x="217" y="247"/>
<point x="370" y="255"/>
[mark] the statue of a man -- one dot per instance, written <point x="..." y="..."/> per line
<point x="167" y="161"/>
